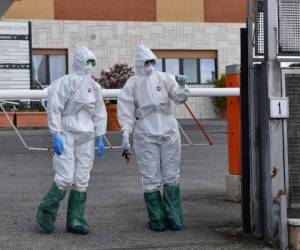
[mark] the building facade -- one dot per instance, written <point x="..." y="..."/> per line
<point x="197" y="38"/>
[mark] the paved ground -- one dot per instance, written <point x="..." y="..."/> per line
<point x="115" y="208"/>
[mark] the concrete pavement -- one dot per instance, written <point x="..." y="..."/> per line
<point x="115" y="210"/>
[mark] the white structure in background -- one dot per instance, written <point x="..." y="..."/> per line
<point x="15" y="55"/>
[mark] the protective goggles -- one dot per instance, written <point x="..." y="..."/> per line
<point x="150" y="62"/>
<point x="91" y="62"/>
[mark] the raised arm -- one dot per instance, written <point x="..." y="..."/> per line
<point x="179" y="94"/>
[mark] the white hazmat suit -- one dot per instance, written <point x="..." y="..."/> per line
<point x="76" y="116"/>
<point x="76" y="110"/>
<point x="144" y="108"/>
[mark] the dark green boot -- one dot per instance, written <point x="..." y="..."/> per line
<point x="172" y="203"/>
<point x="47" y="210"/>
<point x="156" y="213"/>
<point x="75" y="222"/>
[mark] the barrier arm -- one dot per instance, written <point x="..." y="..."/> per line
<point x="41" y="95"/>
<point x="17" y="94"/>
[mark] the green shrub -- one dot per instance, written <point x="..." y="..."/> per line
<point x="220" y="101"/>
<point x="115" y="77"/>
<point x="8" y="107"/>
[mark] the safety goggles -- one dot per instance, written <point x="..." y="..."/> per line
<point x="91" y="62"/>
<point x="150" y="62"/>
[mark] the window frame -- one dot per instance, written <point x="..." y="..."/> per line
<point x="165" y="67"/>
<point x="181" y="71"/>
<point x="216" y="71"/>
<point x="47" y="53"/>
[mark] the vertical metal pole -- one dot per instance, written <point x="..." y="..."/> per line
<point x="245" y="140"/>
<point x="270" y="27"/>
<point x="269" y="61"/>
<point x="254" y="166"/>
<point x="272" y="137"/>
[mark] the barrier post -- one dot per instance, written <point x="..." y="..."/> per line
<point x="233" y="177"/>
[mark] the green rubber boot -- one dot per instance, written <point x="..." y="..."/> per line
<point x="47" y="210"/>
<point x="156" y="213"/>
<point x="75" y="222"/>
<point x="172" y="203"/>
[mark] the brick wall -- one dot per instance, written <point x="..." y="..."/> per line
<point x="117" y="10"/>
<point x="231" y="11"/>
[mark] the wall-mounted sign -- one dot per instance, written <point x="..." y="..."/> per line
<point x="15" y="55"/>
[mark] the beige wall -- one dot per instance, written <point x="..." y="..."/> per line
<point x="113" y="42"/>
<point x="30" y="9"/>
<point x="180" y="10"/>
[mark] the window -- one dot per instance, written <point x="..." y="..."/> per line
<point x="200" y="66"/>
<point x="190" y="70"/>
<point x="197" y="70"/>
<point x="207" y="71"/>
<point x="48" y="65"/>
<point x="57" y="66"/>
<point x="172" y="66"/>
<point x="39" y="68"/>
<point x="158" y="65"/>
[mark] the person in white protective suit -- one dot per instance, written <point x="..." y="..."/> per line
<point x="144" y="108"/>
<point x="76" y="117"/>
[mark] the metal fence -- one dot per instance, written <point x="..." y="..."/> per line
<point x="292" y="87"/>
<point x="288" y="27"/>
<point x="259" y="28"/>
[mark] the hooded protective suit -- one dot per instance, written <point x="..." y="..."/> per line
<point x="76" y="116"/>
<point x="144" y="108"/>
<point x="76" y="111"/>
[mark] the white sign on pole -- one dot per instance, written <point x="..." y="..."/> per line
<point x="279" y="107"/>
<point x="15" y="55"/>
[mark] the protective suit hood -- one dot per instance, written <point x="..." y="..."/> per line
<point x="81" y="56"/>
<point x="143" y="54"/>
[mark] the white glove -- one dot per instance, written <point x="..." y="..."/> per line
<point x="181" y="79"/>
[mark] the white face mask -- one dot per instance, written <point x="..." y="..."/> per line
<point x="149" y="69"/>
<point x="89" y="67"/>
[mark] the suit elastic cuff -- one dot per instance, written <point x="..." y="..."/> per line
<point x="125" y="133"/>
